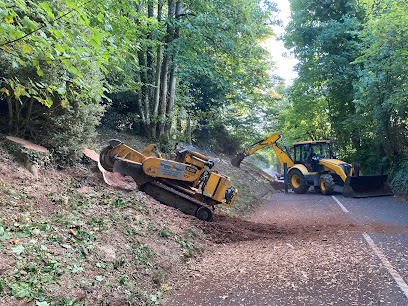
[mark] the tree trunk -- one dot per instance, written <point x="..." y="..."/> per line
<point x="165" y="68"/>
<point x="188" y="129"/>
<point x="29" y="111"/>
<point x="172" y="94"/>
<point x="179" y="128"/>
<point x="143" y="97"/>
<point x="149" y="55"/>
<point x="156" y="99"/>
<point x="10" y="110"/>
<point x="173" y="78"/>
<point x="149" y="72"/>
<point x="17" y="113"/>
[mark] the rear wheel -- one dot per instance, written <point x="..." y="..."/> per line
<point x="204" y="213"/>
<point x="326" y="183"/>
<point x="297" y="181"/>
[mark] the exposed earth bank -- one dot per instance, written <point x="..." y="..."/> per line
<point x="67" y="238"/>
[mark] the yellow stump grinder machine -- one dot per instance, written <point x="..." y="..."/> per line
<point x="314" y="164"/>
<point x="187" y="183"/>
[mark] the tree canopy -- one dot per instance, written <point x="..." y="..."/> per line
<point x="156" y="62"/>
<point x="196" y="70"/>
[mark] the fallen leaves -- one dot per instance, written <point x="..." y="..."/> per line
<point x="18" y="249"/>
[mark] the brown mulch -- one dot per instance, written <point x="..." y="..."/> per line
<point x="225" y="229"/>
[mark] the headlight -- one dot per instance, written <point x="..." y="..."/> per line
<point x="346" y="168"/>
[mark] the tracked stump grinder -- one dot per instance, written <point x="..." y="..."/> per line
<point x="186" y="183"/>
<point x="314" y="164"/>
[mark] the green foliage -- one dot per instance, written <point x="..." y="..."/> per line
<point x="68" y="129"/>
<point x="223" y="64"/>
<point x="32" y="274"/>
<point x="381" y="96"/>
<point x="217" y="51"/>
<point x="217" y="138"/>
<point x="352" y="79"/>
<point x="399" y="180"/>
<point x="42" y="36"/>
<point x="53" y="53"/>
<point x="324" y="37"/>
<point x="399" y="173"/>
<point x="51" y="60"/>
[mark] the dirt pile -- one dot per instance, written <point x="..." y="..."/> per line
<point x="225" y="229"/>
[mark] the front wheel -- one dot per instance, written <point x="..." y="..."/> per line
<point x="297" y="181"/>
<point x="326" y="184"/>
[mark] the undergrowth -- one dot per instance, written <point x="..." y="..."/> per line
<point x="399" y="176"/>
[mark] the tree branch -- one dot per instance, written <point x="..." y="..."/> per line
<point x="44" y="25"/>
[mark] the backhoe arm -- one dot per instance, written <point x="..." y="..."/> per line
<point x="267" y="141"/>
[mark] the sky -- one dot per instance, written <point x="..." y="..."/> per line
<point x="284" y="61"/>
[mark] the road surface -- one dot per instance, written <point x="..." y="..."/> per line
<point x="321" y="250"/>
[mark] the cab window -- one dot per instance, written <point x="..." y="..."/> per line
<point x="322" y="150"/>
<point x="302" y="153"/>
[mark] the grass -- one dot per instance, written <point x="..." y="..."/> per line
<point x="49" y="248"/>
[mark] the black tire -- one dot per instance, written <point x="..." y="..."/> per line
<point x="204" y="213"/>
<point x="326" y="183"/>
<point x="105" y="159"/>
<point x="297" y="181"/>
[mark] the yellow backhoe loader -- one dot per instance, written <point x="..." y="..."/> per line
<point x="313" y="164"/>
<point x="187" y="183"/>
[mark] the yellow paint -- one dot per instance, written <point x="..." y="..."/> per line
<point x="322" y="186"/>
<point x="295" y="181"/>
<point x="301" y="168"/>
<point x="188" y="170"/>
<point x="222" y="187"/>
<point x="125" y="152"/>
<point x="271" y="140"/>
<point x="211" y="185"/>
<point x="333" y="166"/>
<point x="189" y="159"/>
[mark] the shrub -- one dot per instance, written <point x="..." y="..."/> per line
<point x="217" y="138"/>
<point x="49" y="92"/>
<point x="399" y="175"/>
<point x="67" y="130"/>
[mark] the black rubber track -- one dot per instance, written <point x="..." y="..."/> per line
<point x="174" y="198"/>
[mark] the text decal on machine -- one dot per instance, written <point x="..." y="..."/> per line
<point x="170" y="169"/>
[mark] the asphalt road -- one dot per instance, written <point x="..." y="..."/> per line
<point x="332" y="251"/>
<point x="385" y="220"/>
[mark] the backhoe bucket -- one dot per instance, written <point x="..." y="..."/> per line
<point x="236" y="161"/>
<point x="366" y="186"/>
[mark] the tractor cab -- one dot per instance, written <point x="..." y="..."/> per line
<point x="309" y="153"/>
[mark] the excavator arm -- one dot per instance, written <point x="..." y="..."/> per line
<point x="284" y="157"/>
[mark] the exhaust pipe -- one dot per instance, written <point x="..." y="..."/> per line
<point x="236" y="161"/>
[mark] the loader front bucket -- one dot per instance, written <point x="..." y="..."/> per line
<point x="366" y="186"/>
<point x="236" y="161"/>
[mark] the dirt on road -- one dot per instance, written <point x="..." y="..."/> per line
<point x="291" y="251"/>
